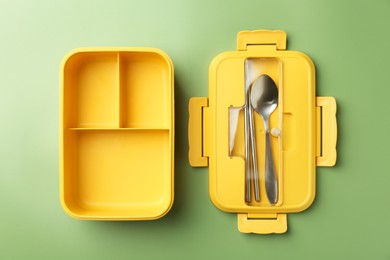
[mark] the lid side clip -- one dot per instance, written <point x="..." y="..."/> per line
<point x="326" y="131"/>
<point x="195" y="132"/>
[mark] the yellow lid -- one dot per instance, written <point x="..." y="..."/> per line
<point x="303" y="134"/>
<point x="117" y="133"/>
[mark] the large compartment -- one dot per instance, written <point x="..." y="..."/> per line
<point x="107" y="174"/>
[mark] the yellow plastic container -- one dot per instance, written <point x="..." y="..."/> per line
<point x="117" y="134"/>
<point x="306" y="131"/>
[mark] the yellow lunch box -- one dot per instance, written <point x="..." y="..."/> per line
<point x="117" y="154"/>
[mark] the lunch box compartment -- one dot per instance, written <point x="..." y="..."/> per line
<point x="108" y="176"/>
<point x="144" y="85"/>
<point x="92" y="95"/>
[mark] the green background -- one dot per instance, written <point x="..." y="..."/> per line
<point x="349" y="44"/>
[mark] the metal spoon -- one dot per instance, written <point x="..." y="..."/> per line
<point x="264" y="100"/>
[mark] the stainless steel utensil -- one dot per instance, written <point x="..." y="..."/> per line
<point x="247" y="150"/>
<point x="264" y="100"/>
<point x="250" y="152"/>
<point x="253" y="153"/>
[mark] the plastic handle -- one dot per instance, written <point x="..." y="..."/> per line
<point x="267" y="225"/>
<point x="261" y="37"/>
<point x="195" y="132"/>
<point x="328" y="138"/>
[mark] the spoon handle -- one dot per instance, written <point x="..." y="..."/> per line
<point x="271" y="182"/>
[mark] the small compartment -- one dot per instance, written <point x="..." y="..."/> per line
<point x="108" y="174"/>
<point x="91" y="90"/>
<point x="146" y="89"/>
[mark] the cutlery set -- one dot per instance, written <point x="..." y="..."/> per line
<point x="261" y="96"/>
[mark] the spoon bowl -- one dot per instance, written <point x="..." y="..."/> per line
<point x="264" y="100"/>
<point x="264" y="95"/>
